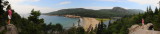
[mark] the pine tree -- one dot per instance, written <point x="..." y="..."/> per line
<point x="156" y="11"/>
<point x="3" y="14"/>
<point x="147" y="9"/>
<point x="159" y="9"/>
<point x="101" y="27"/>
<point x="149" y="15"/>
<point x="34" y="17"/>
<point x="80" y="30"/>
<point x="1" y="8"/>
<point x="150" y="10"/>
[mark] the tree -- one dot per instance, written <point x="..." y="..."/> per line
<point x="156" y="20"/>
<point x="34" y="17"/>
<point x="159" y="8"/>
<point x="150" y="11"/>
<point x="72" y="30"/>
<point x="58" y="27"/>
<point x="101" y="27"/>
<point x="147" y="9"/>
<point x="1" y="7"/>
<point x="34" y="25"/>
<point x="156" y="11"/>
<point x="149" y="16"/>
<point x="2" y="13"/>
<point x="80" y="30"/>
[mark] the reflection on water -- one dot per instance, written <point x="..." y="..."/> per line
<point x="65" y="22"/>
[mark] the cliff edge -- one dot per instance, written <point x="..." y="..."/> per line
<point x="143" y="29"/>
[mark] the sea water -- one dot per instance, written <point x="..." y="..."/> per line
<point x="64" y="21"/>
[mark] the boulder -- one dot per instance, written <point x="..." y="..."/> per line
<point x="142" y="29"/>
<point x="11" y="29"/>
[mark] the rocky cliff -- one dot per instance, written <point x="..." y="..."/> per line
<point x="143" y="29"/>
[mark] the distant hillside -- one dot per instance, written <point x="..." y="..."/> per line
<point x="103" y="13"/>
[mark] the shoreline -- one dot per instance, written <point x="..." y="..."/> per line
<point x="89" y="23"/>
<point x="69" y="16"/>
<point x="86" y="22"/>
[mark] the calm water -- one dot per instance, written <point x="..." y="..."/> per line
<point x="64" y="21"/>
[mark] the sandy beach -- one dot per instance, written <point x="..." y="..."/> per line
<point x="87" y="22"/>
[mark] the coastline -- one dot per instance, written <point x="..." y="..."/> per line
<point x="69" y="16"/>
<point x="85" y="22"/>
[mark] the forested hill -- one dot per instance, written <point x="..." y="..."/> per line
<point x="103" y="13"/>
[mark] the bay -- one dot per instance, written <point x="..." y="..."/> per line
<point x="64" y="21"/>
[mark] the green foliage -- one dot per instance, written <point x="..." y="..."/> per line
<point x="101" y="27"/>
<point x="34" y="17"/>
<point x="58" y="27"/>
<point x="1" y="7"/>
<point x="2" y="14"/>
<point x="34" y="25"/>
<point x="72" y="30"/>
<point x="121" y="26"/>
<point x="103" y="13"/>
<point x="156" y="11"/>
<point x="78" y="30"/>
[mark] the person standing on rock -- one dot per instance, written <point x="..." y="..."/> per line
<point x="9" y="13"/>
<point x="142" y="21"/>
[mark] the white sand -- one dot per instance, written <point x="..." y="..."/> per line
<point x="86" y="22"/>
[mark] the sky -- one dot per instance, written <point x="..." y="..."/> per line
<point x="45" y="6"/>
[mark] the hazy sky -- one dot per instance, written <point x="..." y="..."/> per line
<point x="25" y="6"/>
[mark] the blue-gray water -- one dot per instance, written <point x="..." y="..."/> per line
<point x="64" y="21"/>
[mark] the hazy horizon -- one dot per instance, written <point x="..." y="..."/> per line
<point x="45" y="6"/>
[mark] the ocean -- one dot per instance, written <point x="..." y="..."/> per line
<point x="64" y="21"/>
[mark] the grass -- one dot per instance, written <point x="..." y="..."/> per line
<point x="99" y="19"/>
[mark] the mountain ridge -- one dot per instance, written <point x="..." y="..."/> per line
<point x="102" y="13"/>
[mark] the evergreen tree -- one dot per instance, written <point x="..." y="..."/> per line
<point x="150" y="10"/>
<point x="101" y="27"/>
<point x="35" y="24"/>
<point x="1" y="7"/>
<point x="156" y="20"/>
<point x="34" y="17"/>
<point x="59" y="27"/>
<point x="148" y="17"/>
<point x="147" y="9"/>
<point x="159" y="9"/>
<point x="80" y="30"/>
<point x="2" y="13"/>
<point x="72" y="30"/>
<point x="156" y="11"/>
